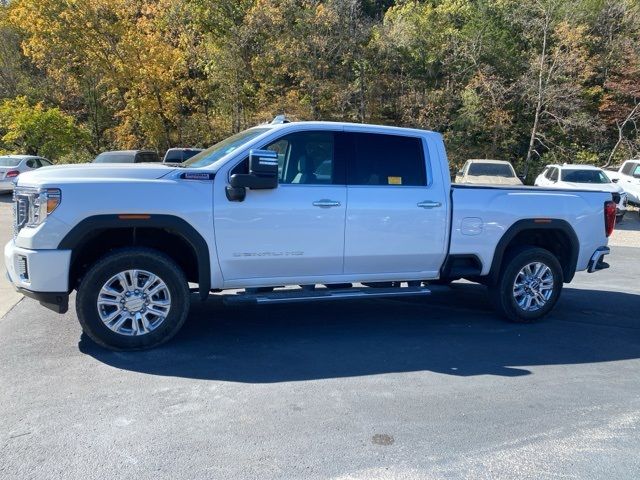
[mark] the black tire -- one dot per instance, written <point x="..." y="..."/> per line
<point x="502" y="294"/>
<point x="121" y="260"/>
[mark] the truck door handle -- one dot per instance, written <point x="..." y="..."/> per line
<point x="429" y="204"/>
<point x="325" y="203"/>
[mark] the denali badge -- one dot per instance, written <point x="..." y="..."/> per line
<point x="197" y="176"/>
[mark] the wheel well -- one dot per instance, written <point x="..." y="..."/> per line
<point x="562" y="243"/>
<point x="102" y="241"/>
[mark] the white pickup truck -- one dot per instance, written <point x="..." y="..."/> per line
<point x="328" y="210"/>
<point x="628" y="177"/>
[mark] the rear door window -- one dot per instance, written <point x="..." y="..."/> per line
<point x="390" y="160"/>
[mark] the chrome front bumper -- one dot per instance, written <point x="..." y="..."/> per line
<point x="596" y="263"/>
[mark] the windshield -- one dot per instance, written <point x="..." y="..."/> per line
<point x="226" y="146"/>
<point x="584" y="176"/>
<point x="9" y="162"/>
<point x="115" y="157"/>
<point x="491" y="169"/>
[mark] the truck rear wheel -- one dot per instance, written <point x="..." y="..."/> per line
<point x="133" y="299"/>
<point x="529" y="285"/>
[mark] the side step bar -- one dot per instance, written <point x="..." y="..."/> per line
<point x="304" y="295"/>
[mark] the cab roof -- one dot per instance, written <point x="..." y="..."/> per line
<point x="349" y="126"/>
<point x="574" y="166"/>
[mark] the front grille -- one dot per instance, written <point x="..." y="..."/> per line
<point x="616" y="198"/>
<point x="20" y="212"/>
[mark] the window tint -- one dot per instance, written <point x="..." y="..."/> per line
<point x="9" y="162"/>
<point x="174" y="156"/>
<point x="386" y="160"/>
<point x="144" y="157"/>
<point x="491" y="169"/>
<point x="179" y="155"/>
<point x="628" y="167"/>
<point x="115" y="157"/>
<point x="31" y="163"/>
<point x="584" y="176"/>
<point x="305" y="158"/>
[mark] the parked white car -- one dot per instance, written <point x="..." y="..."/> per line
<point x="488" y="172"/>
<point x="325" y="206"/>
<point x="628" y="177"/>
<point x="583" y="177"/>
<point x="13" y="165"/>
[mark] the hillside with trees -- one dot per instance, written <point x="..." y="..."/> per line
<point x="533" y="81"/>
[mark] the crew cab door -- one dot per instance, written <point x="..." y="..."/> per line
<point x="396" y="215"/>
<point x="294" y="231"/>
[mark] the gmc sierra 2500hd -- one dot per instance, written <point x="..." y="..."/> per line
<point x="318" y="205"/>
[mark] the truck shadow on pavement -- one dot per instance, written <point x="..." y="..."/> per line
<point x="6" y="197"/>
<point x="454" y="333"/>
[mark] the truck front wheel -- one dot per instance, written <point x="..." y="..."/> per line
<point x="132" y="299"/>
<point x="529" y="285"/>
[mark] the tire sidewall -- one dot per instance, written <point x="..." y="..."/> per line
<point x="141" y="259"/>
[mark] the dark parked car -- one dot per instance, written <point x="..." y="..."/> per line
<point x="179" y="155"/>
<point x="127" y="156"/>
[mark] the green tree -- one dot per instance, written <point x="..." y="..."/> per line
<point x="36" y="130"/>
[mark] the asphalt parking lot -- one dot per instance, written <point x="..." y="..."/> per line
<point x="403" y="389"/>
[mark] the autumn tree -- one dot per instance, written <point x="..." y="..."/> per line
<point x="36" y="130"/>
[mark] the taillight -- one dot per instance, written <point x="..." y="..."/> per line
<point x="12" y="174"/>
<point x="609" y="217"/>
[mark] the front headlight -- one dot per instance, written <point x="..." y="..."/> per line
<point x="33" y="205"/>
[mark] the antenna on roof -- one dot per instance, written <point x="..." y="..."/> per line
<point x="279" y="119"/>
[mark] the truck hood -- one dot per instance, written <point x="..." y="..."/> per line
<point x="61" y="174"/>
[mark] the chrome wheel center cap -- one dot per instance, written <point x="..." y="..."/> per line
<point x="133" y="304"/>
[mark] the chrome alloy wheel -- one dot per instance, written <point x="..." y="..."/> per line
<point x="533" y="286"/>
<point x="134" y="302"/>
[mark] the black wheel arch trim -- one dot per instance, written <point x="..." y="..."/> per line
<point x="536" y="224"/>
<point x="171" y="223"/>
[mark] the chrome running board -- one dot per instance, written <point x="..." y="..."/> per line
<point x="304" y="295"/>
